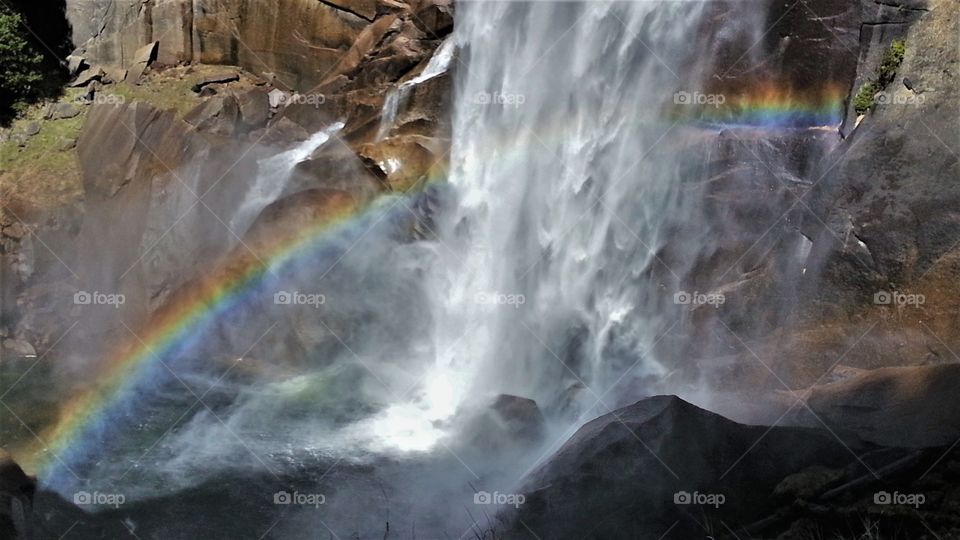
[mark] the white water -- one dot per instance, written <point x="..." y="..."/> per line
<point x="437" y="65"/>
<point x="566" y="179"/>
<point x="273" y="174"/>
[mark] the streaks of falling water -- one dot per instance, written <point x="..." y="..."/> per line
<point x="566" y="175"/>
<point x="437" y="65"/>
<point x="273" y="174"/>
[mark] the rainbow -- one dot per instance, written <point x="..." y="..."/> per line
<point x="86" y="419"/>
<point x="765" y="105"/>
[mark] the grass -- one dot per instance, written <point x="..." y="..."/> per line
<point x="44" y="175"/>
<point x="41" y="172"/>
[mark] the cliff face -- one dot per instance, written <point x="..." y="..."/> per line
<point x="866" y="212"/>
<point x="299" y="41"/>
<point x="150" y="148"/>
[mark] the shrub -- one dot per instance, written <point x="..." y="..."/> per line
<point x="864" y="99"/>
<point x="20" y="65"/>
<point x="892" y="58"/>
<point x="886" y="72"/>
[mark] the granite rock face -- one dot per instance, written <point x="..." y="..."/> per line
<point x="299" y="41"/>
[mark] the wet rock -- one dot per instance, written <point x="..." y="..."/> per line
<point x="403" y="161"/>
<point x="641" y="466"/>
<point x="520" y="416"/>
<point x="285" y="130"/>
<point x="915" y="406"/>
<point x="900" y="209"/>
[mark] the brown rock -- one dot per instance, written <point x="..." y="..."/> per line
<point x="254" y="107"/>
<point x="219" y="78"/>
<point x="913" y="406"/>
<point x="94" y="73"/>
<point x="219" y="114"/>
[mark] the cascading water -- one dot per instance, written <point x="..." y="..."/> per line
<point x="438" y="64"/>
<point x="272" y="176"/>
<point x="566" y="179"/>
<point x="552" y="276"/>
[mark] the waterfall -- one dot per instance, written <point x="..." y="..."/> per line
<point x="437" y="65"/>
<point x="566" y="177"/>
<point x="273" y="175"/>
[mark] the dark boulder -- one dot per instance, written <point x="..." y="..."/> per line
<point x="651" y="467"/>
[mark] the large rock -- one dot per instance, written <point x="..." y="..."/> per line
<point x="629" y="474"/>
<point x="914" y="406"/>
<point x="16" y="499"/>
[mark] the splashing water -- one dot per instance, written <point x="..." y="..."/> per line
<point x="273" y="174"/>
<point x="553" y="269"/>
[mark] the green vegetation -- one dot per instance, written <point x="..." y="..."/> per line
<point x="42" y="171"/>
<point x="864" y="98"/>
<point x="892" y="58"/>
<point x="886" y="72"/>
<point x="21" y="71"/>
